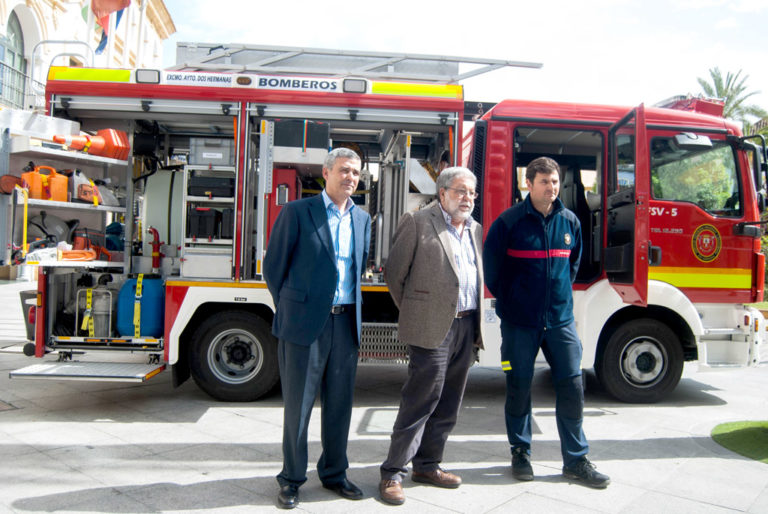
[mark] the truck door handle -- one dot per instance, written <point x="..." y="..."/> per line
<point x="654" y="255"/>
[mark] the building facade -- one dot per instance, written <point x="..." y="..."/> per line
<point x="35" y="34"/>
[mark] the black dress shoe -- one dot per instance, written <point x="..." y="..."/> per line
<point x="345" y="489"/>
<point x="288" y="497"/>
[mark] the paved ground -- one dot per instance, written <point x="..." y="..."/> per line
<point x="109" y="447"/>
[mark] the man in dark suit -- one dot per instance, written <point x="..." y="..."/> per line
<point x="435" y="276"/>
<point x="316" y="256"/>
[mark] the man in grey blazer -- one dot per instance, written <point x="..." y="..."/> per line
<point x="435" y="276"/>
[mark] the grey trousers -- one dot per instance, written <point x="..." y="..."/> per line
<point x="430" y="401"/>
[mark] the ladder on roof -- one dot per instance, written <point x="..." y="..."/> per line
<point x="318" y="61"/>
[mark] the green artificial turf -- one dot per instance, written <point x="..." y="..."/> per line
<point x="747" y="438"/>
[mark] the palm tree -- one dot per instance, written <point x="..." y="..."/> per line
<point x="733" y="91"/>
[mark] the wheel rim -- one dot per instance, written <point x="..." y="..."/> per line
<point x="235" y="356"/>
<point x="643" y="362"/>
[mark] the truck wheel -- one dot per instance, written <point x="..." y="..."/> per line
<point x="233" y="357"/>
<point x="641" y="363"/>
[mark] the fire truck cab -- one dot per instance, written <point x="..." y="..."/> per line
<point x="669" y="200"/>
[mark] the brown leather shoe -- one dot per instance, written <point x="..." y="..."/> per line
<point x="391" y="491"/>
<point x="437" y="477"/>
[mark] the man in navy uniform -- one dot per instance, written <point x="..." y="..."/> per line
<point x="531" y="256"/>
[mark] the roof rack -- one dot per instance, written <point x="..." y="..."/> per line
<point x="337" y="63"/>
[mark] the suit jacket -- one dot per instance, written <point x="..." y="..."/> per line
<point x="300" y="268"/>
<point x="423" y="279"/>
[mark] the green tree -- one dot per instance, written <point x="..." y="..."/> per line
<point x="733" y="90"/>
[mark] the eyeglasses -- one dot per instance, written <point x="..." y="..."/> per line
<point x="463" y="192"/>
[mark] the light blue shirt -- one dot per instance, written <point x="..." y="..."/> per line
<point x="342" y="236"/>
<point x="466" y="263"/>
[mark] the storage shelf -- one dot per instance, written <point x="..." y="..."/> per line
<point x="51" y="204"/>
<point x="20" y="146"/>
<point x="76" y="264"/>
<point x="205" y="199"/>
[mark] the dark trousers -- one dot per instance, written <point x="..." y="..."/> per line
<point x="562" y="349"/>
<point x="327" y="367"/>
<point x="430" y="401"/>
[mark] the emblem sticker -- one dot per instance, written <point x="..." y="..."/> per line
<point x="567" y="238"/>
<point x="706" y="243"/>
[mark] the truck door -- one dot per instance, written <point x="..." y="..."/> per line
<point x="627" y="248"/>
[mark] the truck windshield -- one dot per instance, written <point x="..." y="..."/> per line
<point x="707" y="176"/>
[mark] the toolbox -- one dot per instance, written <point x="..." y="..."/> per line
<point x="203" y="223"/>
<point x="219" y="187"/>
<point x="302" y="134"/>
<point x="210" y="151"/>
<point x="227" y="224"/>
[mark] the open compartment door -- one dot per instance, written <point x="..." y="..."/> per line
<point x="627" y="246"/>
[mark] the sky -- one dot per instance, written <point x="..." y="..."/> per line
<point x="622" y="52"/>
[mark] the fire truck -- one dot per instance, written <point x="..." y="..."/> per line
<point x="669" y="200"/>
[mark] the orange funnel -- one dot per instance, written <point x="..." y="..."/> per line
<point x="106" y="143"/>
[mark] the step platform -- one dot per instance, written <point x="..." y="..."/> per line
<point x="93" y="371"/>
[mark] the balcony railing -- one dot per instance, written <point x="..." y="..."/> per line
<point x="15" y="91"/>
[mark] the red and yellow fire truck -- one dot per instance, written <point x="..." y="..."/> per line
<point x="668" y="199"/>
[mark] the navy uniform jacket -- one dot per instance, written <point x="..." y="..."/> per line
<point x="530" y="263"/>
<point x="300" y="268"/>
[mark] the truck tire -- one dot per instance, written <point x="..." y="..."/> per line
<point x="233" y="357"/>
<point x="641" y="363"/>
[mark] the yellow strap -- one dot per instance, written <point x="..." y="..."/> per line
<point x="94" y="192"/>
<point x="25" y="195"/>
<point x="87" y="318"/>
<point x="137" y="307"/>
<point x="506" y="366"/>
<point x="87" y="145"/>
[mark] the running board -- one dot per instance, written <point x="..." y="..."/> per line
<point x="93" y="371"/>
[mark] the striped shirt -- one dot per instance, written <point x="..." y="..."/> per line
<point x="341" y="234"/>
<point x="466" y="263"/>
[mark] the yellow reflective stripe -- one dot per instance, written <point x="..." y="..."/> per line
<point x="506" y="366"/>
<point x="715" y="278"/>
<point x="89" y="74"/>
<point x="405" y="89"/>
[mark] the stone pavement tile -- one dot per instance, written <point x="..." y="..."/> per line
<point x="105" y="499"/>
<point x="658" y="502"/>
<point x="179" y="495"/>
<point x="48" y="435"/>
<point x="612" y="499"/>
<point x="224" y="425"/>
<point x="532" y="503"/>
<point x="760" y="505"/>
<point x="156" y="434"/>
<point x="30" y="474"/>
<point x="106" y="464"/>
<point x="226" y="461"/>
<point x="10" y="447"/>
<point x="733" y="483"/>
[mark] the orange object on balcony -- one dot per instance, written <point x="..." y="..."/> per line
<point x="106" y="143"/>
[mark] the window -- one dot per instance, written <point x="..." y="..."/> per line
<point x="13" y="66"/>
<point x="705" y="175"/>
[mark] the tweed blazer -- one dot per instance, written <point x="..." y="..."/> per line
<point x="423" y="279"/>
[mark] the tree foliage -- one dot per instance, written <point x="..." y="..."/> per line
<point x="733" y="90"/>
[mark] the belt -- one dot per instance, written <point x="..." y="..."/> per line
<point x="338" y="309"/>
<point x="464" y="314"/>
